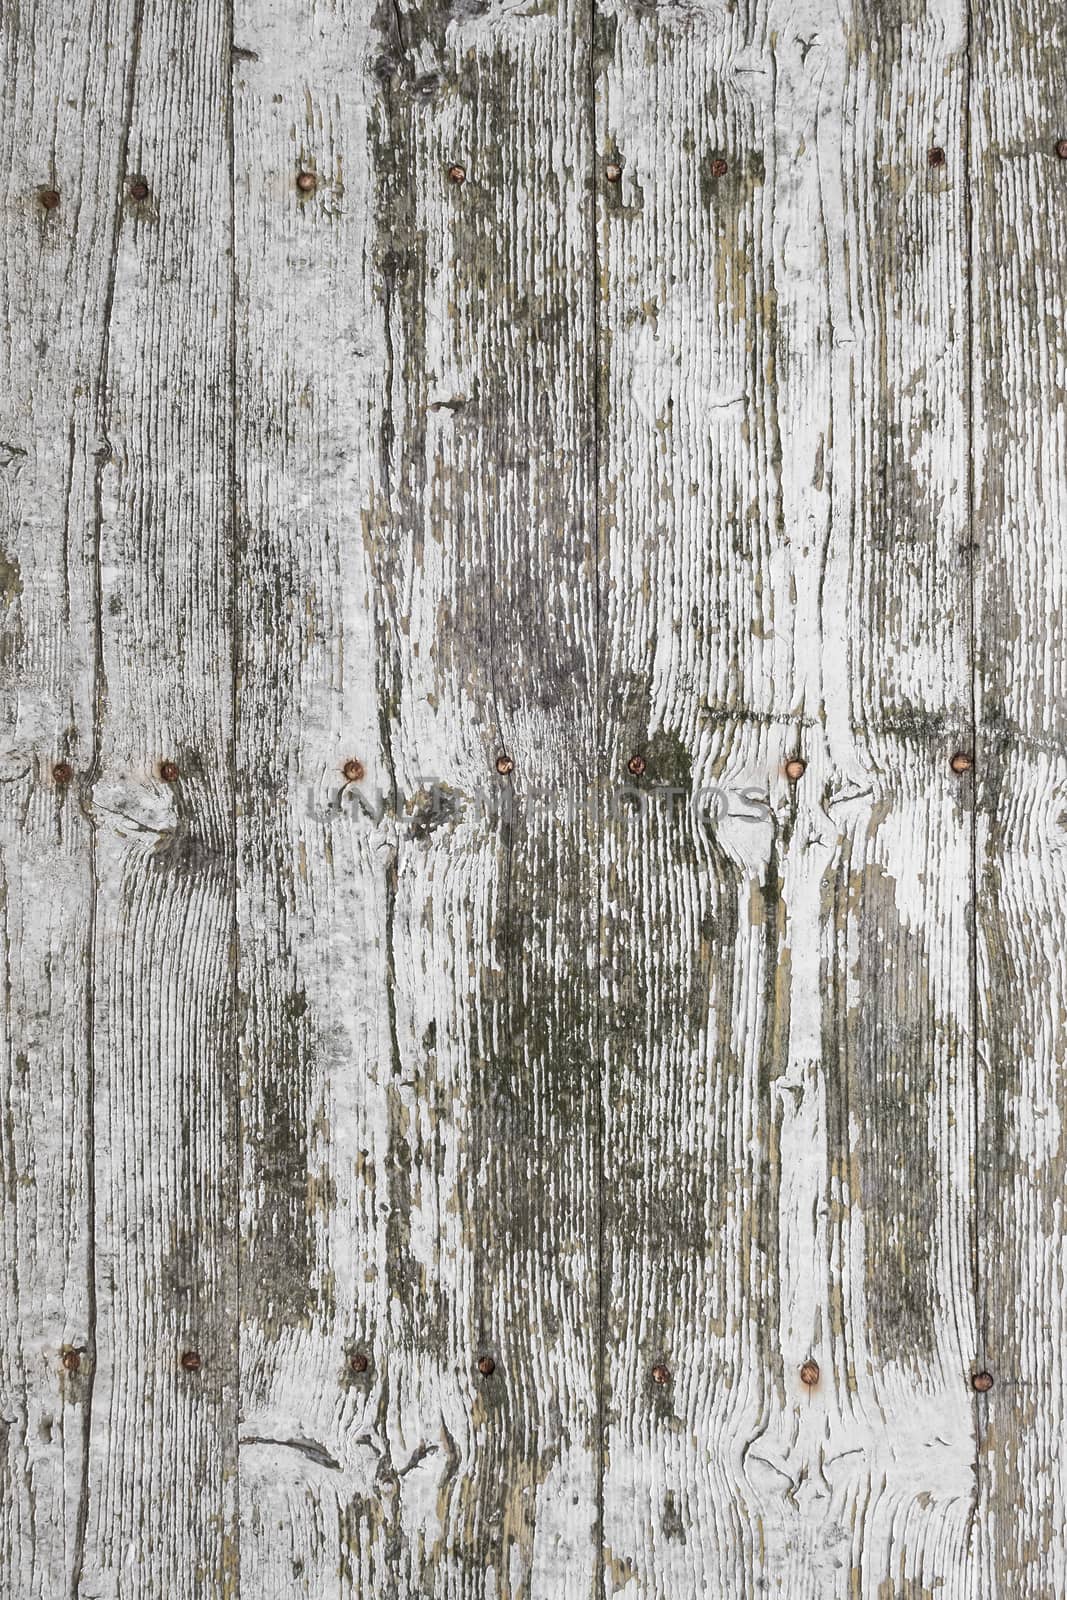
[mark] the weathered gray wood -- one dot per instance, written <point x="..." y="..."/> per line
<point x="314" y="1032"/>
<point x="119" y="885"/>
<point x="626" y="391"/>
<point x="161" y="1489"/>
<point x="1019" y="244"/>
<point x="414" y="360"/>
<point x="53" y="332"/>
<point x="784" y="439"/>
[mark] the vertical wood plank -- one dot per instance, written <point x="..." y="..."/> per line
<point x="161" y="1491"/>
<point x="316" y="1474"/>
<point x="417" y="940"/>
<point x="784" y="437"/>
<point x="56" y="260"/>
<point x="1019" y="242"/>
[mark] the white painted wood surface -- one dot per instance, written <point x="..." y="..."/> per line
<point x="454" y="1076"/>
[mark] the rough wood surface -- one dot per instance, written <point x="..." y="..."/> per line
<point x="1019" y="377"/>
<point x="419" y="1083"/>
<point x="577" y="1153"/>
<point x="784" y="494"/>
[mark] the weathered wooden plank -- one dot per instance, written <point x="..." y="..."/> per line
<point x="59" y="210"/>
<point x="419" y="1078"/>
<point x="160" y="1492"/>
<point x="1019" y="375"/>
<point x="312" y="972"/>
<point x="783" y="446"/>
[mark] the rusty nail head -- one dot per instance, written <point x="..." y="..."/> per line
<point x="456" y="173"/>
<point x="613" y="172"/>
<point x="636" y="765"/>
<point x="961" y="762"/>
<point x="795" y="768"/>
<point x="191" y="1360"/>
<point x="71" y="1360"/>
<point x="486" y="1366"/>
<point x="168" y="771"/>
<point x="809" y="1374"/>
<point x="62" y="772"/>
<point x="718" y="167"/>
<point x="354" y="770"/>
<point x="1061" y="149"/>
<point x="660" y="1373"/>
<point x="139" y="189"/>
<point x="358" y="1361"/>
<point x="504" y="765"/>
<point x="982" y="1382"/>
<point x="936" y="156"/>
<point x="49" y="198"/>
<point x="306" y="182"/>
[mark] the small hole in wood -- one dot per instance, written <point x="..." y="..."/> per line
<point x="306" y="182"/>
<point x="504" y="765"/>
<point x="613" y="172"/>
<point x="358" y="1362"/>
<point x="486" y="1366"/>
<point x="191" y="1360"/>
<point x="660" y="1373"/>
<point x="795" y="768"/>
<point x="62" y="772"/>
<point x="961" y="762"/>
<point x="982" y="1382"/>
<point x="169" y="771"/>
<point x="936" y="156"/>
<point x="71" y="1360"/>
<point x="718" y="167"/>
<point x="809" y="1374"/>
<point x="354" y="770"/>
<point x="49" y="198"/>
<point x="456" y="173"/>
<point x="636" y="765"/>
<point x="139" y="189"/>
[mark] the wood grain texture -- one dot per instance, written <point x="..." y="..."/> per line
<point x="414" y="361"/>
<point x="790" y="1085"/>
<point x="497" y="439"/>
<point x="55" y="264"/>
<point x="1019" y="240"/>
<point x="119" y="885"/>
<point x="161" y="1486"/>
